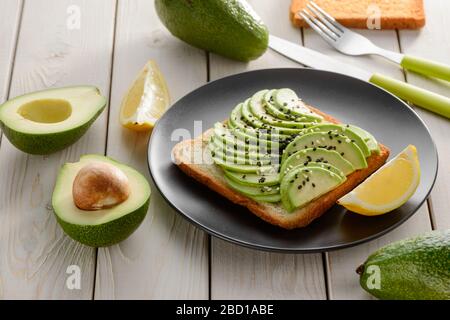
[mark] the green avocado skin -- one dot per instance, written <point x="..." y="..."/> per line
<point x="47" y="143"/>
<point x="412" y="269"/>
<point x="111" y="233"/>
<point x="224" y="27"/>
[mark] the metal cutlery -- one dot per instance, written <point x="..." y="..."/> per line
<point x="421" y="97"/>
<point x="352" y="43"/>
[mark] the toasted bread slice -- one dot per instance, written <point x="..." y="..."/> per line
<point x="394" y="14"/>
<point x="194" y="158"/>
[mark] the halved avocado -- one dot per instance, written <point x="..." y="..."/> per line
<point x="47" y="121"/>
<point x="103" y="227"/>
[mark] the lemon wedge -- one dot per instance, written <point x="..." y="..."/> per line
<point x="146" y="100"/>
<point x="388" y="188"/>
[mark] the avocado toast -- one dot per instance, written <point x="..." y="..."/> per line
<point x="285" y="161"/>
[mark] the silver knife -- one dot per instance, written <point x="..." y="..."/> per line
<point x="420" y="97"/>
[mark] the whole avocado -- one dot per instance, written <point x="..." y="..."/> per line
<point x="412" y="269"/>
<point x="227" y="27"/>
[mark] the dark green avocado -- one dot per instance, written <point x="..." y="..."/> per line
<point x="412" y="269"/>
<point x="227" y="27"/>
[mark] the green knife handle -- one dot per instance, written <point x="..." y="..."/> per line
<point x="420" y="97"/>
<point x="426" y="67"/>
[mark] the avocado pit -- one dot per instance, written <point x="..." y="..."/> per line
<point x="100" y="185"/>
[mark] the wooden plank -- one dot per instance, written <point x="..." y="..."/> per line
<point x="342" y="280"/>
<point x="9" y="24"/>
<point x="240" y="273"/>
<point x="35" y="252"/>
<point x="433" y="42"/>
<point x="167" y="257"/>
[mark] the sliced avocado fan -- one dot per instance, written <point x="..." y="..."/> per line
<point x="103" y="227"/>
<point x="276" y="149"/>
<point x="47" y="121"/>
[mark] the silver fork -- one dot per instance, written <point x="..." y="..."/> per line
<point x="352" y="43"/>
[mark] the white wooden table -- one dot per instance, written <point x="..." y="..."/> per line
<point x="41" y="46"/>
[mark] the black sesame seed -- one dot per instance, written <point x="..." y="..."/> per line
<point x="299" y="187"/>
<point x="342" y="154"/>
<point x="313" y="185"/>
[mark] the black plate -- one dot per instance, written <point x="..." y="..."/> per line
<point x="389" y="119"/>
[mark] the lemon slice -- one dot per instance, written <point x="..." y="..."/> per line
<point x="146" y="100"/>
<point x="388" y="188"/>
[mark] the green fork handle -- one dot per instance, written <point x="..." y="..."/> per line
<point x="420" y="97"/>
<point x="426" y="67"/>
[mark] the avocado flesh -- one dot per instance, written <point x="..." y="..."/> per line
<point x="336" y="129"/>
<point x="218" y="146"/>
<point x="253" y="121"/>
<point x="229" y="28"/>
<point x="341" y="144"/>
<point x="101" y="227"/>
<point x="236" y="122"/>
<point x="250" y="190"/>
<point x="228" y="165"/>
<point x="411" y="269"/>
<point x="369" y="139"/>
<point x="286" y="100"/>
<point x="319" y="145"/>
<point x="234" y="159"/>
<point x="225" y="137"/>
<point x="47" y="121"/>
<point x="255" y="180"/>
<point x="326" y="166"/>
<point x="302" y="185"/>
<point x="267" y="198"/>
<point x="257" y="109"/>
<point x="268" y="103"/>
<point x="317" y="155"/>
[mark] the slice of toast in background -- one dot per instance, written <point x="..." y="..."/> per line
<point x="208" y="173"/>
<point x="395" y="14"/>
